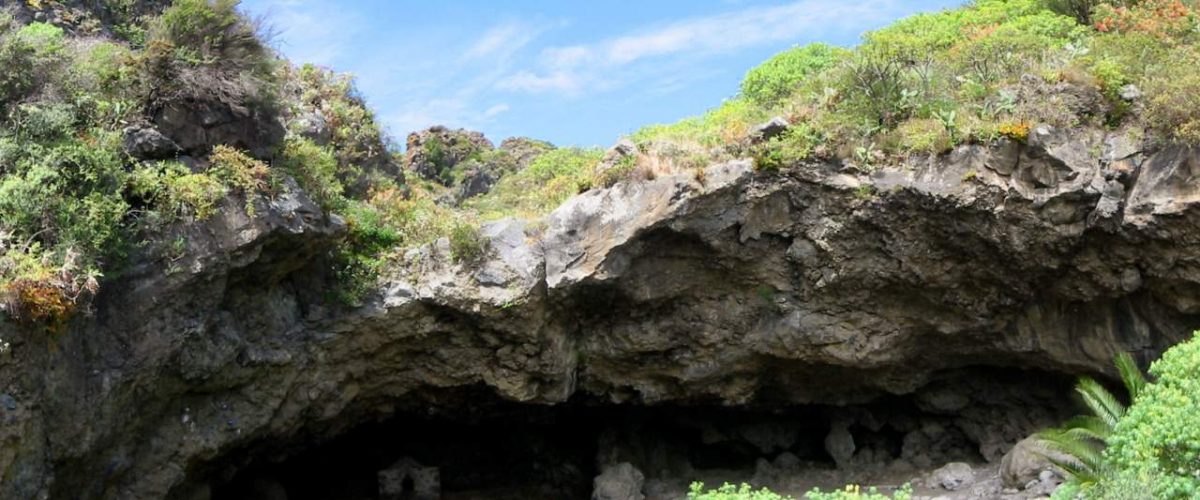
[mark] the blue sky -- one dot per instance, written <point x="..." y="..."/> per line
<point x="571" y="72"/>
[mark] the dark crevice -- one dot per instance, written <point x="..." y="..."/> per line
<point x="478" y="446"/>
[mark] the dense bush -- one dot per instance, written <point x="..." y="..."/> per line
<point x="357" y="141"/>
<point x="467" y="245"/>
<point x="787" y="149"/>
<point x="1159" y="436"/>
<point x="725" y="124"/>
<point x="206" y="49"/>
<point x="549" y="180"/>
<point x="779" y="76"/>
<point x="35" y="49"/>
<point x="315" y="169"/>
<point x="925" y="83"/>
<point x="359" y="260"/>
<point x="747" y="492"/>
<point x="730" y="492"/>
<point x="1173" y="103"/>
<point x="853" y="492"/>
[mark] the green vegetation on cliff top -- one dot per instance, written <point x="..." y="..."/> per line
<point x="74" y="202"/>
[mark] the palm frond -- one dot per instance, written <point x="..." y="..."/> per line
<point x="1078" y="446"/>
<point x="1088" y="427"/>
<point x="1073" y="453"/>
<point x="1102" y="402"/>
<point x="1132" y="376"/>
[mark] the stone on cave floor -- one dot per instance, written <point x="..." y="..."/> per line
<point x="619" y="482"/>
<point x="409" y="480"/>
<point x="953" y="477"/>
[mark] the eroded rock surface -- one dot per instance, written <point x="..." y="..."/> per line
<point x="949" y="284"/>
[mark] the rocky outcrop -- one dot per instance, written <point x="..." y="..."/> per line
<point x="942" y="288"/>
<point x="523" y="150"/>
<point x="88" y="17"/>
<point x="196" y="125"/>
<point x="433" y="153"/>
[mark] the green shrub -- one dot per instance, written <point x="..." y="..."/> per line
<point x="854" y="492"/>
<point x="1173" y="98"/>
<point x="467" y="245"/>
<point x="1007" y="49"/>
<point x="315" y="169"/>
<point x="541" y="187"/>
<point x="35" y="49"/>
<point x="1080" y="10"/>
<point x="195" y="195"/>
<point x="924" y="135"/>
<point x="730" y="492"/>
<point x="209" y="32"/>
<point x="788" y="149"/>
<point x="1159" y="436"/>
<point x="414" y="214"/>
<point x="239" y="171"/>
<point x="206" y="49"/>
<point x="618" y="172"/>
<point x="358" y="142"/>
<point x="726" y="124"/>
<point x="359" y="260"/>
<point x="768" y="83"/>
<point x="43" y="121"/>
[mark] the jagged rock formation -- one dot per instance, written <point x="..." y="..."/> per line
<point x="87" y="17"/>
<point x="943" y="289"/>
<point x="434" y="152"/>
<point x="466" y="160"/>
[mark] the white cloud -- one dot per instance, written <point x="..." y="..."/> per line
<point x="311" y="32"/>
<point x="560" y="81"/>
<point x="570" y="69"/>
<point x="502" y="40"/>
<point x="566" y="56"/>
<point x="495" y="111"/>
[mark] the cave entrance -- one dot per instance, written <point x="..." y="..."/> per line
<point x="483" y="448"/>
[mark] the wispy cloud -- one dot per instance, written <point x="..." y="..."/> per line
<point x="569" y="69"/>
<point x="560" y="81"/>
<point x="495" y="111"/>
<point x="502" y="39"/>
<point x="312" y="32"/>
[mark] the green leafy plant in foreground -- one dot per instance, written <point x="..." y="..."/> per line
<point x="746" y="492"/>
<point x="1157" y="442"/>
<point x="1081" y="440"/>
<point x="731" y="492"/>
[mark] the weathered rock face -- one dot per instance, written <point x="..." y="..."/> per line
<point x="969" y="287"/>
<point x="196" y="125"/>
<point x="87" y="17"/>
<point x="524" y="150"/>
<point x="434" y="152"/>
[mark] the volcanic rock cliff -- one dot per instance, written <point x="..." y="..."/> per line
<point x="683" y="315"/>
<point x="932" y="312"/>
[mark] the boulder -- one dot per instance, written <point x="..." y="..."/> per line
<point x="770" y="130"/>
<point x="196" y="125"/>
<point x="476" y="181"/>
<point x="839" y="443"/>
<point x="1027" y="461"/>
<point x="1130" y="92"/>
<point x="524" y="150"/>
<point x="953" y="476"/>
<point x="147" y="143"/>
<point x="619" y="482"/>
<point x="409" y="480"/>
<point x="616" y="155"/>
<point x="434" y="152"/>
<point x="313" y="126"/>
